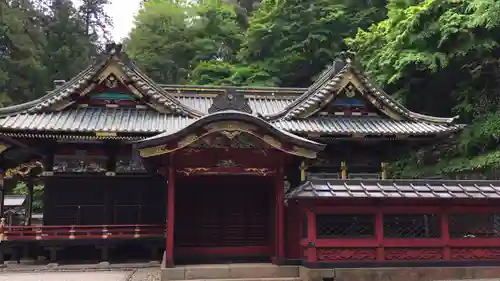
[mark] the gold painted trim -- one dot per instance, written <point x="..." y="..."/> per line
<point x="106" y="134"/>
<point x="190" y="139"/>
<point x="63" y="136"/>
<point x="4" y="147"/>
<point x="154" y="151"/>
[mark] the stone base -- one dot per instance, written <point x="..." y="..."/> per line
<point x="52" y="265"/>
<point x="400" y="273"/>
<point x="103" y="264"/>
<point x="27" y="261"/>
<point x="240" y="272"/>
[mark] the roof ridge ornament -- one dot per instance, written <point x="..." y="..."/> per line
<point x="230" y="100"/>
<point x="348" y="56"/>
<point x="114" y="48"/>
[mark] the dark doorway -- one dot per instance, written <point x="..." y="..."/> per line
<point x="223" y="219"/>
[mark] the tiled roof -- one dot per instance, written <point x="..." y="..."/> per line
<point x="361" y="125"/>
<point x="425" y="189"/>
<point x="259" y="105"/>
<point x="326" y="87"/>
<point x="148" y="88"/>
<point x="131" y="120"/>
<point x="147" y="121"/>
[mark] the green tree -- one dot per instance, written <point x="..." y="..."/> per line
<point x="68" y="48"/>
<point x="21" y="71"/>
<point x="172" y="38"/>
<point x="448" y="51"/>
<point x="289" y="42"/>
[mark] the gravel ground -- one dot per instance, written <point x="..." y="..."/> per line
<point x="74" y="274"/>
<point x="66" y="276"/>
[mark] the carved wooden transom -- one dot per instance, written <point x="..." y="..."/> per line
<point x="229" y="139"/>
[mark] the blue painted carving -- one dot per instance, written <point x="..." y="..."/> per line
<point x="113" y="96"/>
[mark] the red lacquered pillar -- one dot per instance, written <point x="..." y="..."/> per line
<point x="169" y="251"/>
<point x="280" y="216"/>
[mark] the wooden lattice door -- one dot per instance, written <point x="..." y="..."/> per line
<point x="215" y="214"/>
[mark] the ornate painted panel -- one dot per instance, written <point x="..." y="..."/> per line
<point x="128" y="161"/>
<point x="226" y="139"/>
<point x="225" y="158"/>
<point x="74" y="159"/>
<point x="349" y="101"/>
<point x="110" y="92"/>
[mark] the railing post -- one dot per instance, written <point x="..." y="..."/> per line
<point x="105" y="232"/>
<point x="137" y="231"/>
<point x="311" y="235"/>
<point x="379" y="234"/>
<point x="445" y="233"/>
<point x="2" y="229"/>
<point x="72" y="232"/>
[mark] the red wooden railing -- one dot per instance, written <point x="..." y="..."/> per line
<point x="479" y="245"/>
<point x="70" y="232"/>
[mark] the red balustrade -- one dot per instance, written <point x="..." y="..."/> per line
<point x="395" y="233"/>
<point x="69" y="232"/>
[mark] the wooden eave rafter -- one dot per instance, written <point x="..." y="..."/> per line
<point x="116" y="62"/>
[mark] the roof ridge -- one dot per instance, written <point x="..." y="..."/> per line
<point x="238" y="88"/>
<point x="323" y="86"/>
<point x="170" y="100"/>
<point x="414" y="116"/>
<point x="331" y="73"/>
<point x="113" y="53"/>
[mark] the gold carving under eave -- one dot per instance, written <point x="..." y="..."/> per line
<point x="230" y="126"/>
<point x="189" y="139"/>
<point x="4" y="146"/>
<point x="260" y="171"/>
<point x="190" y="150"/>
<point x="23" y="170"/>
<point x="230" y="134"/>
<point x="302" y="152"/>
<point x="272" y="141"/>
<point x="191" y="171"/>
<point x="154" y="151"/>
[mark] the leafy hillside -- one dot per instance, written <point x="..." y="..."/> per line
<point x="438" y="57"/>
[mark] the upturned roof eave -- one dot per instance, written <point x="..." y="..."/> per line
<point x="84" y="77"/>
<point x="335" y="75"/>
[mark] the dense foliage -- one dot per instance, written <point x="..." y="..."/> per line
<point x="439" y="57"/>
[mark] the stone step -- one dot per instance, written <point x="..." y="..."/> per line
<point x="230" y="272"/>
<point x="250" y="279"/>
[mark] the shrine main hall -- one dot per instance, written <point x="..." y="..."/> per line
<point x="296" y="179"/>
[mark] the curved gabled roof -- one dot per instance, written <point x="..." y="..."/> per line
<point x="325" y="88"/>
<point x="230" y="116"/>
<point x="62" y="95"/>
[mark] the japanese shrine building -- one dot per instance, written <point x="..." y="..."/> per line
<point x="288" y="175"/>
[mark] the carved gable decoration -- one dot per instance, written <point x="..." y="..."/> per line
<point x="229" y="139"/>
<point x="349" y="100"/>
<point x="110" y="91"/>
<point x="230" y="100"/>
